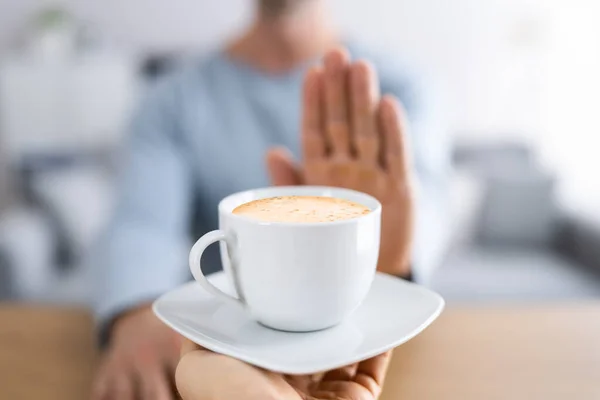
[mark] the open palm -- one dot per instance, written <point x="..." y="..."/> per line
<point x="354" y="138"/>
<point x="203" y="375"/>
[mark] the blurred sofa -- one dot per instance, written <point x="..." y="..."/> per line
<point x="512" y="238"/>
<point x="62" y="118"/>
<point x="518" y="204"/>
<point x="64" y="201"/>
<point x="579" y="239"/>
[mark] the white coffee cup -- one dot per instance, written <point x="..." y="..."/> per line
<point x="295" y="277"/>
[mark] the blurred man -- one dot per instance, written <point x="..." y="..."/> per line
<point x="208" y="132"/>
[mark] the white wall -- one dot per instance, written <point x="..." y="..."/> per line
<point x="468" y="45"/>
<point x="571" y="104"/>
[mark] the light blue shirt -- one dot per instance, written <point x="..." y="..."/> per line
<point x="201" y="135"/>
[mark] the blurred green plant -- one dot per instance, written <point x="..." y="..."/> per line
<point x="51" y="18"/>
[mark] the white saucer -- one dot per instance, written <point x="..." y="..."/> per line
<point x="394" y="312"/>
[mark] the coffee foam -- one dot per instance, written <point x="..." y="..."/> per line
<point x="301" y="209"/>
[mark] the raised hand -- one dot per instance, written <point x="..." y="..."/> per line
<point x="354" y="138"/>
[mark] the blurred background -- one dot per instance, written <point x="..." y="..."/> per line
<point x="517" y="81"/>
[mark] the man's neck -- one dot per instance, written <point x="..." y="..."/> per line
<point x="279" y="43"/>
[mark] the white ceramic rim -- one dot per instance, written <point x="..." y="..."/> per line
<point x="228" y="204"/>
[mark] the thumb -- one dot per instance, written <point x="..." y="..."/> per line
<point x="282" y="168"/>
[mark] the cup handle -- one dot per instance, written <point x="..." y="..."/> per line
<point x="196" y="269"/>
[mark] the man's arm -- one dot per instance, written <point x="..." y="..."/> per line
<point x="143" y="253"/>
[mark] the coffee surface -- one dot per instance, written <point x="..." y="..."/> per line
<point x="301" y="209"/>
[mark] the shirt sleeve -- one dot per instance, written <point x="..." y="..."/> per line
<point x="144" y="250"/>
<point x="430" y="150"/>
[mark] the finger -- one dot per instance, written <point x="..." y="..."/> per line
<point x="171" y="382"/>
<point x="123" y="387"/>
<point x="341" y="374"/>
<point x="393" y="125"/>
<point x="371" y="373"/>
<point x="301" y="383"/>
<point x="339" y="390"/>
<point x="154" y="383"/>
<point x="113" y="382"/>
<point x="365" y="98"/>
<point x="336" y="102"/>
<point x="282" y="168"/>
<point x="101" y="390"/>
<point x="313" y="138"/>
